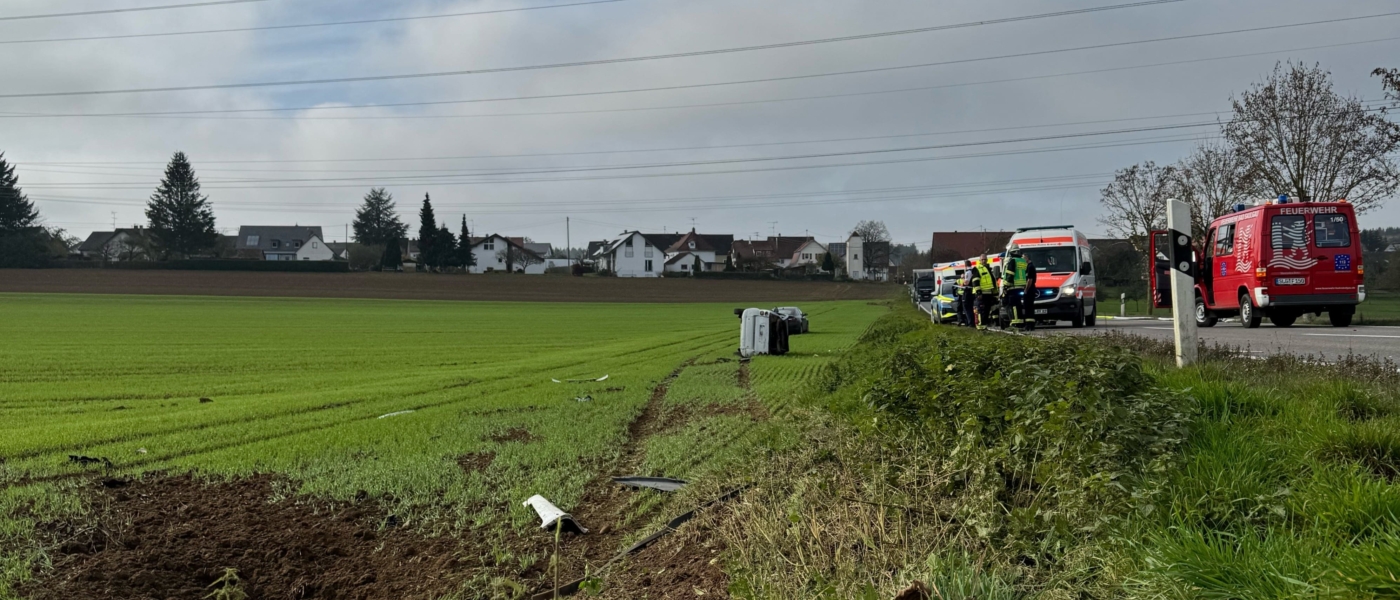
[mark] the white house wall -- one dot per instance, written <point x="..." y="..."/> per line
<point x="635" y="265"/>
<point x="315" y="249"/>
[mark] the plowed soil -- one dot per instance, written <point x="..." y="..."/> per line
<point x="173" y="537"/>
<point x="423" y="286"/>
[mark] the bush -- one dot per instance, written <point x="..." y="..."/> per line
<point x="1046" y="439"/>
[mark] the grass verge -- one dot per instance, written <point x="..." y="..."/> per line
<point x="993" y="466"/>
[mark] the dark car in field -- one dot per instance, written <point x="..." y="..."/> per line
<point x="794" y="317"/>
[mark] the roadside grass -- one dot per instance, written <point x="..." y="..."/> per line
<point x="354" y="400"/>
<point x="993" y="466"/>
<point x="1382" y="307"/>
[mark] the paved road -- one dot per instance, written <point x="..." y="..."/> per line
<point x="1325" y="340"/>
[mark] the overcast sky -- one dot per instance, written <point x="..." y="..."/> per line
<point x="291" y="167"/>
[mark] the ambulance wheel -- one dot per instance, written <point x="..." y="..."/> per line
<point x="1340" y="317"/>
<point x="1283" y="320"/>
<point x="1090" y="320"/>
<point x="1203" y="316"/>
<point x="1249" y="316"/>
<point x="1078" y="320"/>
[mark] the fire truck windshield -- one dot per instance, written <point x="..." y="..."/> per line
<point x="1060" y="259"/>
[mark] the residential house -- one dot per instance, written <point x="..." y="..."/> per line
<point x="866" y="260"/>
<point x="710" y="249"/>
<point x="637" y="254"/>
<point x="119" y="245"/>
<point x="279" y="242"/>
<point x="948" y="246"/>
<point x="777" y="252"/>
<point x="499" y="253"/>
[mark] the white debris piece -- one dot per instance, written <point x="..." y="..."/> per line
<point x="395" y="414"/>
<point x="549" y="514"/>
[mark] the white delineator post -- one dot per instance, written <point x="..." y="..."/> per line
<point x="1183" y="282"/>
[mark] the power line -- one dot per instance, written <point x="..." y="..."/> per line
<point x="301" y="25"/>
<point x="110" y="11"/>
<point x="197" y="113"/>
<point x="1056" y="179"/>
<point x="730" y="161"/>
<point x="1167" y="139"/>
<point x="608" y="61"/>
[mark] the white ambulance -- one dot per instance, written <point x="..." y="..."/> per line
<point x="1064" y="268"/>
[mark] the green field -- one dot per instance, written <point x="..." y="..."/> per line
<point x="309" y="390"/>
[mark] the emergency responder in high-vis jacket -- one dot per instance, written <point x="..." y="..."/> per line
<point x="958" y="298"/>
<point x="969" y="308"/>
<point x="985" y="287"/>
<point x="1014" y="278"/>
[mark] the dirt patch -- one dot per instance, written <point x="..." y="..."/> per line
<point x="685" y="564"/>
<point x="173" y="537"/>
<point x="476" y="462"/>
<point x="514" y="434"/>
<point x="426" y="286"/>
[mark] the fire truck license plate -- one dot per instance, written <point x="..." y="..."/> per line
<point x="1289" y="281"/>
<point x="1042" y="311"/>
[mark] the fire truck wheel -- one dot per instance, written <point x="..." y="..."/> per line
<point x="1340" y="317"/>
<point x="1283" y="320"/>
<point x="1249" y="316"/>
<point x="1203" y="316"/>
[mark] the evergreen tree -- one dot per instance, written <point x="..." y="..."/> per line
<point x="828" y="264"/>
<point x="181" y="220"/>
<point x="17" y="213"/>
<point x="446" y="243"/>
<point x="393" y="255"/>
<point x="376" y="221"/>
<point x="464" y="247"/>
<point x="428" y="252"/>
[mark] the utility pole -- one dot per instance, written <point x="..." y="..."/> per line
<point x="568" y="245"/>
<point x="114" y="220"/>
<point x="772" y="228"/>
<point x="1183" y="282"/>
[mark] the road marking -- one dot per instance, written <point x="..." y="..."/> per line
<point x="1160" y="328"/>
<point x="1347" y="334"/>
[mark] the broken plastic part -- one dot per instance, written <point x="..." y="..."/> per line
<point x="583" y="399"/>
<point x="549" y="513"/>
<point x="395" y="414"/>
<point x="657" y="483"/>
<point x="603" y="378"/>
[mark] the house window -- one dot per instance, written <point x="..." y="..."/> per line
<point x="296" y="243"/>
<point x="648" y="251"/>
<point x="488" y="245"/>
<point x="315" y="245"/>
<point x="855" y="257"/>
<point x="685" y="267"/>
<point x="276" y="243"/>
<point x="648" y="266"/>
<point x="252" y="240"/>
<point x="692" y="245"/>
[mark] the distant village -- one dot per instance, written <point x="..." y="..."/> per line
<point x="630" y="254"/>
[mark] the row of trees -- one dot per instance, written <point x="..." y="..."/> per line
<point x="377" y="226"/>
<point x="181" y="220"/>
<point x="1289" y="134"/>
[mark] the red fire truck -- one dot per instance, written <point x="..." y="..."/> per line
<point x="1279" y="259"/>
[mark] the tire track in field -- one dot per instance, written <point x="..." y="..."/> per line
<point x="345" y="404"/>
<point x="606" y="503"/>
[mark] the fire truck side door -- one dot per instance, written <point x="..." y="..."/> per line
<point x="1208" y="268"/>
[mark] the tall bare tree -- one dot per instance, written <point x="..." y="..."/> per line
<point x="872" y="231"/>
<point x="1212" y="180"/>
<point x="1303" y="139"/>
<point x="1135" y="202"/>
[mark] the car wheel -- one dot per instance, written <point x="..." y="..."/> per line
<point x="1284" y="320"/>
<point x="1204" y="318"/>
<point x="1249" y="316"/>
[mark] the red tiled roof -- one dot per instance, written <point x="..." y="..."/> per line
<point x="967" y="244"/>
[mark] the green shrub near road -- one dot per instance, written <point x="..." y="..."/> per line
<point x="996" y="466"/>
